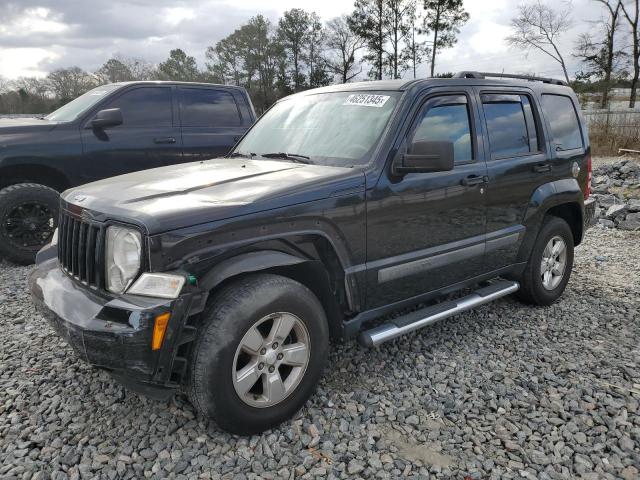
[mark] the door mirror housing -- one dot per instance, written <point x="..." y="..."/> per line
<point x="424" y="157"/>
<point x="110" y="117"/>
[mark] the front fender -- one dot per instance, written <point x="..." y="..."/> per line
<point x="246" y="263"/>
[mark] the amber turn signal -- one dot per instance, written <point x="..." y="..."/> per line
<point x="159" y="329"/>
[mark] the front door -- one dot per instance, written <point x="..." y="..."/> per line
<point x="148" y="137"/>
<point x="426" y="231"/>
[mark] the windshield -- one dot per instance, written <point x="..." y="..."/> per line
<point x="341" y="128"/>
<point x="71" y="110"/>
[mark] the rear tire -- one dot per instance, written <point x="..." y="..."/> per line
<point x="250" y="369"/>
<point x="28" y="217"/>
<point x="549" y="267"/>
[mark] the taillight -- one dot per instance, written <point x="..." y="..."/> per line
<point x="587" y="191"/>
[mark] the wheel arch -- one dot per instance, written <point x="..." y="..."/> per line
<point x="562" y="199"/>
<point x="34" y="173"/>
<point x="312" y="273"/>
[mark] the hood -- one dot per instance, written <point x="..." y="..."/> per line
<point x="23" y="124"/>
<point x="183" y="195"/>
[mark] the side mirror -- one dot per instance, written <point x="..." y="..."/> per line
<point x="107" y="118"/>
<point x="423" y="157"/>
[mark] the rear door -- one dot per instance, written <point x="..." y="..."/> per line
<point x="517" y="164"/>
<point x="426" y="231"/>
<point x="148" y="137"/>
<point x="211" y="121"/>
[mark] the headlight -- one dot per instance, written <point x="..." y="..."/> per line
<point x="122" y="260"/>
<point x="161" y="285"/>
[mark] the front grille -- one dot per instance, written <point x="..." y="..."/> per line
<point x="79" y="249"/>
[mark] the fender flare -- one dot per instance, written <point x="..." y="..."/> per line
<point x="246" y="263"/>
<point x="543" y="199"/>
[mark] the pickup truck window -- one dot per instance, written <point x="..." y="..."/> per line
<point x="145" y="107"/>
<point x="71" y="111"/>
<point x="205" y="107"/>
<point x="563" y="121"/>
<point x="447" y="122"/>
<point x="506" y="125"/>
<point x="338" y="128"/>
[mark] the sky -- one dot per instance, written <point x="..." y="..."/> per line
<point x="38" y="36"/>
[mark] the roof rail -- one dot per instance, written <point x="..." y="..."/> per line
<point x="469" y="74"/>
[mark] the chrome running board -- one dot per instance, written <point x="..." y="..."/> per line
<point x="421" y="318"/>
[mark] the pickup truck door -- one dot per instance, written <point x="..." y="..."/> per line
<point x="212" y="122"/>
<point x="149" y="136"/>
<point x="426" y="231"/>
<point x="517" y="164"/>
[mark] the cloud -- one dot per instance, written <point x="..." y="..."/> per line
<point x="37" y="36"/>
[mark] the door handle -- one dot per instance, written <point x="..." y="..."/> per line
<point x="163" y="140"/>
<point x="473" y="180"/>
<point x="542" y="167"/>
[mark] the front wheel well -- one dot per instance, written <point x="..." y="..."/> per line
<point x="314" y="276"/>
<point x="572" y="214"/>
<point x="40" y="174"/>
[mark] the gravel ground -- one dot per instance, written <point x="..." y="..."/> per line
<point x="505" y="391"/>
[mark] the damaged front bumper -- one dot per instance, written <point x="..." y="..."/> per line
<point x="115" y="333"/>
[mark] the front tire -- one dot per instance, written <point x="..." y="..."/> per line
<point x="549" y="267"/>
<point x="259" y="354"/>
<point x="28" y="217"/>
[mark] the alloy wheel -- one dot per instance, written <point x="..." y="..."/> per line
<point x="271" y="360"/>
<point x="554" y="262"/>
<point x="28" y="225"/>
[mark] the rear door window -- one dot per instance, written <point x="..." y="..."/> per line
<point x="205" y="107"/>
<point x="145" y="107"/>
<point x="447" y="119"/>
<point x="563" y="120"/>
<point x="510" y="125"/>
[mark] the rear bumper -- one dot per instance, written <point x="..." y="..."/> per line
<point x="114" y="333"/>
<point x="590" y="216"/>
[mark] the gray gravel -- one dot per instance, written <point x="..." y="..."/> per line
<point x="506" y="391"/>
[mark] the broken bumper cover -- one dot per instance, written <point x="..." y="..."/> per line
<point x="114" y="333"/>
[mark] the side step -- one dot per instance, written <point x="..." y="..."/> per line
<point x="421" y="318"/>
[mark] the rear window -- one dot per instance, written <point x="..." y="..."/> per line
<point x="507" y="127"/>
<point x="563" y="120"/>
<point x="201" y="107"/>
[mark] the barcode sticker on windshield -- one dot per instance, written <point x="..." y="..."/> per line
<point x="366" y="100"/>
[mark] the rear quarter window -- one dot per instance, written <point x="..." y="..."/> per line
<point x="563" y="120"/>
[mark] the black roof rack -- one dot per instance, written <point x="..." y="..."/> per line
<point x="509" y="75"/>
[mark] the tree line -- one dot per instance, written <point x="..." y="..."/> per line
<point x="378" y="39"/>
<point x="609" y="51"/>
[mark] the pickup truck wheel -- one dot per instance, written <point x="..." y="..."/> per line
<point x="549" y="268"/>
<point x="259" y="354"/>
<point x="28" y="218"/>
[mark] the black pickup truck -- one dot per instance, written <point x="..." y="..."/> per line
<point x="110" y="130"/>
<point x="340" y="206"/>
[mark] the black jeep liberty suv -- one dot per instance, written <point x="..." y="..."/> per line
<point x="228" y="277"/>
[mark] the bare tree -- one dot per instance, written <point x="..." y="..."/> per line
<point x="343" y="43"/>
<point x="538" y="26"/>
<point x="69" y="83"/>
<point x="633" y="18"/>
<point x="611" y="26"/>
<point x="598" y="53"/>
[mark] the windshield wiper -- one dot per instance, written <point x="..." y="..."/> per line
<point x="243" y="155"/>
<point x="294" y="157"/>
